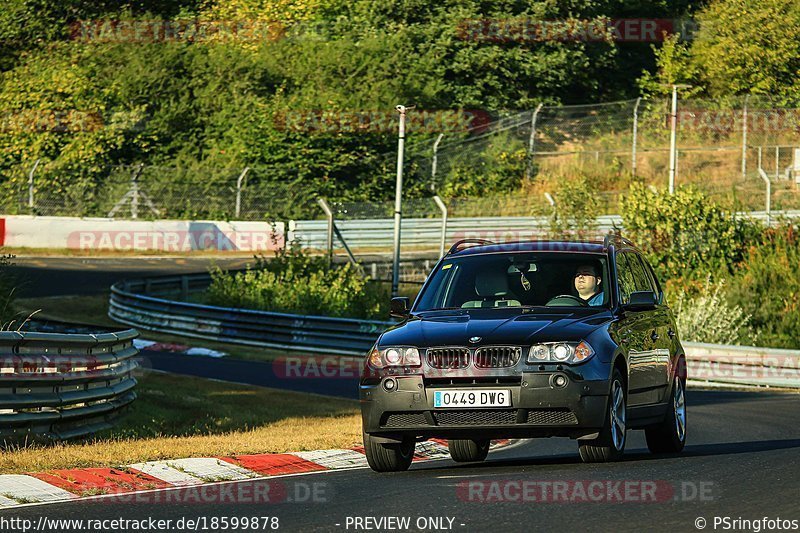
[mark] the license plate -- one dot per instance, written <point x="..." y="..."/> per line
<point x="472" y="398"/>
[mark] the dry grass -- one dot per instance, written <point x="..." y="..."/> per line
<point x="177" y="416"/>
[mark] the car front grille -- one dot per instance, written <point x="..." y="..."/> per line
<point x="497" y="356"/>
<point x="401" y="420"/>
<point x="494" y="417"/>
<point x="551" y="417"/>
<point x="448" y="358"/>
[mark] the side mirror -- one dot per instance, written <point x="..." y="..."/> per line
<point x="642" y="301"/>
<point x="399" y="307"/>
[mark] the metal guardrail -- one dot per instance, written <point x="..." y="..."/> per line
<point x="131" y="304"/>
<point x="743" y="365"/>
<point x="59" y="386"/>
<point x="426" y="232"/>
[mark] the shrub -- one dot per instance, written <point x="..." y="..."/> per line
<point x="575" y="210"/>
<point x="685" y="234"/>
<point x="296" y="282"/>
<point x="708" y="317"/>
<point x="767" y="286"/>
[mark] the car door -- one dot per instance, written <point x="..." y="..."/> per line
<point x="633" y="327"/>
<point x="667" y="331"/>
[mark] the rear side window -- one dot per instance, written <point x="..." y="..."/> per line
<point x="625" y="279"/>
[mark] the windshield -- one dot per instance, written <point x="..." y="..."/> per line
<point x="520" y="279"/>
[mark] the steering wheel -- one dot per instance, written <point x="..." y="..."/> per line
<point x="566" y="299"/>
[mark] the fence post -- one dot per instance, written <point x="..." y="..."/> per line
<point x="435" y="161"/>
<point x="329" y="215"/>
<point x="30" y="186"/>
<point x="135" y="193"/>
<point x="769" y="193"/>
<point x="239" y="181"/>
<point x="532" y="142"/>
<point x="673" y="139"/>
<point x="744" y="137"/>
<point x="635" y="133"/>
<point x="443" y="209"/>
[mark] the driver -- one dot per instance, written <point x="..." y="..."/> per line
<point x="587" y="283"/>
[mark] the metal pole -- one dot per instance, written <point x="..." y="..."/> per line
<point x="672" y="139"/>
<point x="443" y="209"/>
<point x="635" y="132"/>
<point x="744" y="138"/>
<point x="239" y="190"/>
<point x="759" y="156"/>
<point x="329" y="215"/>
<point x="435" y="161"/>
<point x="769" y="192"/>
<point x="532" y="142"/>
<point x="398" y="199"/>
<point x="30" y="185"/>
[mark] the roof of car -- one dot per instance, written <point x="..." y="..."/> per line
<point x="534" y="246"/>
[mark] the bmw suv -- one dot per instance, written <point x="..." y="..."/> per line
<point x="526" y="340"/>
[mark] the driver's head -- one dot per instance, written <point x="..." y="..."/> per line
<point x="587" y="280"/>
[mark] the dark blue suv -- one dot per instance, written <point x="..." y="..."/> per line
<point x="524" y="340"/>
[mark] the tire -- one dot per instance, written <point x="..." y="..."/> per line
<point x="468" y="451"/>
<point x="670" y="435"/>
<point x="610" y="445"/>
<point x="388" y="457"/>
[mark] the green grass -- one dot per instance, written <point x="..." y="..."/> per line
<point x="177" y="416"/>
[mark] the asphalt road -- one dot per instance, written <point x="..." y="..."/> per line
<point x="60" y="276"/>
<point x="741" y="462"/>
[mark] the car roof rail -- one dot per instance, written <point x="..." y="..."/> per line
<point x="457" y="244"/>
<point x="616" y="238"/>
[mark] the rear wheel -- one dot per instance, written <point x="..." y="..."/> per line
<point x="670" y="435"/>
<point x="610" y="445"/>
<point x="383" y="457"/>
<point x="467" y="450"/>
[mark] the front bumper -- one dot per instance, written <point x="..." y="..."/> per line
<point x="538" y="407"/>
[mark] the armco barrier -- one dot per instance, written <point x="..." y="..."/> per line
<point x="130" y="304"/>
<point x="426" y="232"/>
<point x="743" y="365"/>
<point x="711" y="363"/>
<point x="57" y="386"/>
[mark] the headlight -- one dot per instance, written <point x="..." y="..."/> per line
<point x="394" y="356"/>
<point x="560" y="352"/>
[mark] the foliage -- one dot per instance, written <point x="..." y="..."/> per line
<point x="709" y="317"/>
<point x="767" y="286"/>
<point x="685" y="234"/>
<point x="749" y="46"/>
<point x="673" y="67"/>
<point x="297" y="282"/>
<point x="575" y="212"/>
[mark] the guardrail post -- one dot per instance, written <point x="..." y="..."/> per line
<point x="443" y="208"/>
<point x="329" y="215"/>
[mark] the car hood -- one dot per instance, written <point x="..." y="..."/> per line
<point x="494" y="327"/>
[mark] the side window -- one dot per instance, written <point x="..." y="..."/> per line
<point x="641" y="281"/>
<point x="653" y="280"/>
<point x="625" y="278"/>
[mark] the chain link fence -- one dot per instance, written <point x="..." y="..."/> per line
<point x="514" y="164"/>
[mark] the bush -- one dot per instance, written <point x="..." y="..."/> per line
<point x="767" y="286"/>
<point x="296" y="282"/>
<point x="708" y="317"/>
<point x="576" y="209"/>
<point x="685" y="235"/>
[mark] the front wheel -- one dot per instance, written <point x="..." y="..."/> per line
<point x="670" y="435"/>
<point x="388" y="457"/>
<point x="468" y="451"/>
<point x="610" y="445"/>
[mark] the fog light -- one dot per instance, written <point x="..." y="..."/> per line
<point x="389" y="385"/>
<point x="560" y="381"/>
